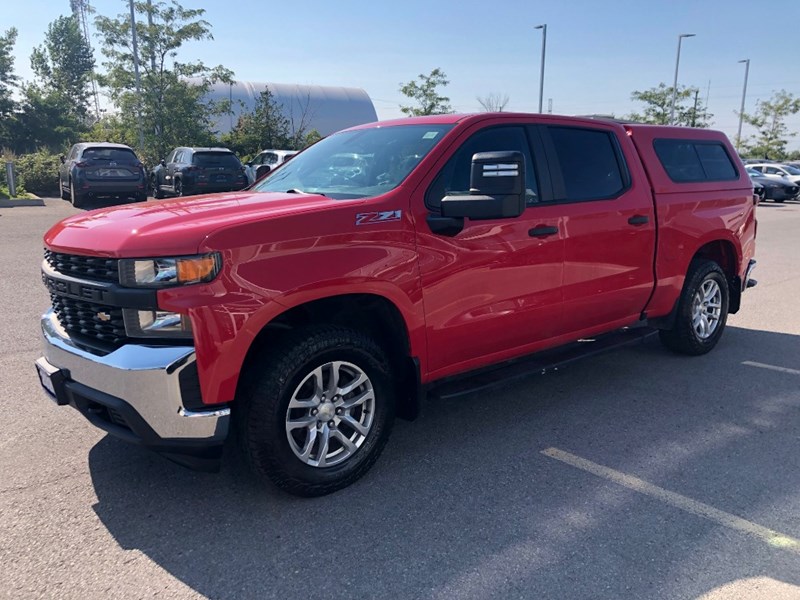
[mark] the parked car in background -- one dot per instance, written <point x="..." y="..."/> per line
<point x="265" y="161"/>
<point x="101" y="169"/>
<point x="778" y="189"/>
<point x="758" y="189"/>
<point x="777" y="171"/>
<point x="188" y="171"/>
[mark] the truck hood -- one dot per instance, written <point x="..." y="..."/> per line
<point x="172" y="227"/>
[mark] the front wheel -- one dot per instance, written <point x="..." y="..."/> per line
<point x="155" y="188"/>
<point x="317" y="410"/>
<point x="702" y="310"/>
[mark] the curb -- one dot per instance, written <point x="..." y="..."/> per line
<point x="12" y="203"/>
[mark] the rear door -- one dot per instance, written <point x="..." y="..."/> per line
<point x="609" y="224"/>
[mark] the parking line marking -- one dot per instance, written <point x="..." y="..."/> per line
<point x="770" y="536"/>
<point x="750" y="363"/>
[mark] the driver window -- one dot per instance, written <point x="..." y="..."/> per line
<point x="454" y="177"/>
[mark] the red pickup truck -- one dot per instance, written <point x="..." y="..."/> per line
<point x="382" y="263"/>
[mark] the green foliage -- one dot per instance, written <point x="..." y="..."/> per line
<point x="769" y="119"/>
<point x="172" y="109"/>
<point x="426" y="95"/>
<point x="8" y="80"/>
<point x="264" y="127"/>
<point x="311" y="138"/>
<point x="690" y="110"/>
<point x="38" y="172"/>
<point x="45" y="120"/>
<point x="64" y="64"/>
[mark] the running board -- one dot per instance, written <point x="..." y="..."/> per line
<point x="537" y="364"/>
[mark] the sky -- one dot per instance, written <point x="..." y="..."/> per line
<point x="597" y="52"/>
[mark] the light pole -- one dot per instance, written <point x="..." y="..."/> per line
<point x="675" y="82"/>
<point x="746" y="62"/>
<point x="135" y="48"/>
<point x="541" y="72"/>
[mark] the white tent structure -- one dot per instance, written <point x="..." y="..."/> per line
<point x="324" y="108"/>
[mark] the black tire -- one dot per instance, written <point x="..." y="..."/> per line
<point x="156" y="189"/>
<point x="683" y="338"/>
<point x="781" y="201"/>
<point x="141" y="196"/>
<point x="76" y="198"/>
<point x="65" y="194"/>
<point x="261" y="407"/>
<point x="178" y="187"/>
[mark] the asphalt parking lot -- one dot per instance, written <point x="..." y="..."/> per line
<point x="637" y="474"/>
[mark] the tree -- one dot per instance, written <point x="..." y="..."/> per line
<point x="690" y="110"/>
<point x="426" y="95"/>
<point x="45" y="121"/>
<point x="769" y="119"/>
<point x="264" y="127"/>
<point x="64" y="63"/>
<point x="493" y="102"/>
<point x="173" y="105"/>
<point x="8" y="80"/>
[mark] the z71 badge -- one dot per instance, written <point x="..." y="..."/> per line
<point x="383" y="216"/>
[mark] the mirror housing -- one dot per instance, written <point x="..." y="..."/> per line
<point x="497" y="188"/>
<point x="63" y="159"/>
<point x="162" y="162"/>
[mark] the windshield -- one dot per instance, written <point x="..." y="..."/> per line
<point x="356" y="164"/>
<point x="791" y="170"/>
<point x="754" y="173"/>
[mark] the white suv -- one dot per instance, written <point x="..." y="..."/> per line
<point x="778" y="171"/>
<point x="265" y="161"/>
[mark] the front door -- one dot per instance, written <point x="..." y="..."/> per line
<point x="492" y="290"/>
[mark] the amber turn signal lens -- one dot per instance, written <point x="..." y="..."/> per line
<point x="193" y="270"/>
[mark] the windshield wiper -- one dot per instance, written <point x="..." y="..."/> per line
<point x="297" y="191"/>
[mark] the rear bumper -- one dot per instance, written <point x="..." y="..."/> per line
<point x="112" y="187"/>
<point x="136" y="393"/>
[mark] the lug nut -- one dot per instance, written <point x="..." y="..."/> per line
<point x="339" y="411"/>
<point x="314" y="411"/>
<point x="331" y="424"/>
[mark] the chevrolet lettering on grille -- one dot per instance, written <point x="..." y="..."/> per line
<point x="73" y="288"/>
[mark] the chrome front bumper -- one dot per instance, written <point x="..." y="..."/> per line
<point x="141" y="381"/>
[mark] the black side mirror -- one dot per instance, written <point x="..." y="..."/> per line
<point x="497" y="188"/>
<point x="262" y="171"/>
<point x="63" y="159"/>
<point x="162" y="162"/>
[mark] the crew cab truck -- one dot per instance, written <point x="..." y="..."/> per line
<point x="306" y="313"/>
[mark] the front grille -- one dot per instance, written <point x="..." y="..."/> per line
<point x="93" y="268"/>
<point x="96" y="321"/>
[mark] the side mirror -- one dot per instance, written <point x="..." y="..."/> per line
<point x="497" y="188"/>
<point x="162" y="162"/>
<point x="262" y="171"/>
<point x="63" y="159"/>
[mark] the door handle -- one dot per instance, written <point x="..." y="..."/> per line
<point x="543" y="231"/>
<point x="639" y="219"/>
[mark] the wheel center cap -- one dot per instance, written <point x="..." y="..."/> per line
<point x="326" y="411"/>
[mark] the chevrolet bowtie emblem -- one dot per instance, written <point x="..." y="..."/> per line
<point x="104" y="316"/>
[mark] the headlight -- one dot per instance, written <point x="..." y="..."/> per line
<point x="156" y="323"/>
<point x="164" y="272"/>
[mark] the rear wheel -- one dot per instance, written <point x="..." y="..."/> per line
<point x="702" y="310"/>
<point x="141" y="196"/>
<point x="65" y="194"/>
<point x="781" y="201"/>
<point x="317" y="413"/>
<point x="75" y="197"/>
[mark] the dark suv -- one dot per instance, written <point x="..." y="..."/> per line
<point x="189" y="171"/>
<point x="101" y="169"/>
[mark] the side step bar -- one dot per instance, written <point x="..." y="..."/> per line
<point x="536" y="364"/>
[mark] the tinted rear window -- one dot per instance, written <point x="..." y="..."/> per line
<point x="590" y="164"/>
<point x="120" y="155"/>
<point x="216" y="159"/>
<point x="692" y="160"/>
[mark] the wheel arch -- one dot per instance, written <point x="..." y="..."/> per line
<point x="370" y="313"/>
<point x="724" y="252"/>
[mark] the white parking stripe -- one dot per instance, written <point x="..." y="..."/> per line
<point x="750" y="363"/>
<point x="771" y="537"/>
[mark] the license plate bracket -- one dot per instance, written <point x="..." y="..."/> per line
<point x="53" y="381"/>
